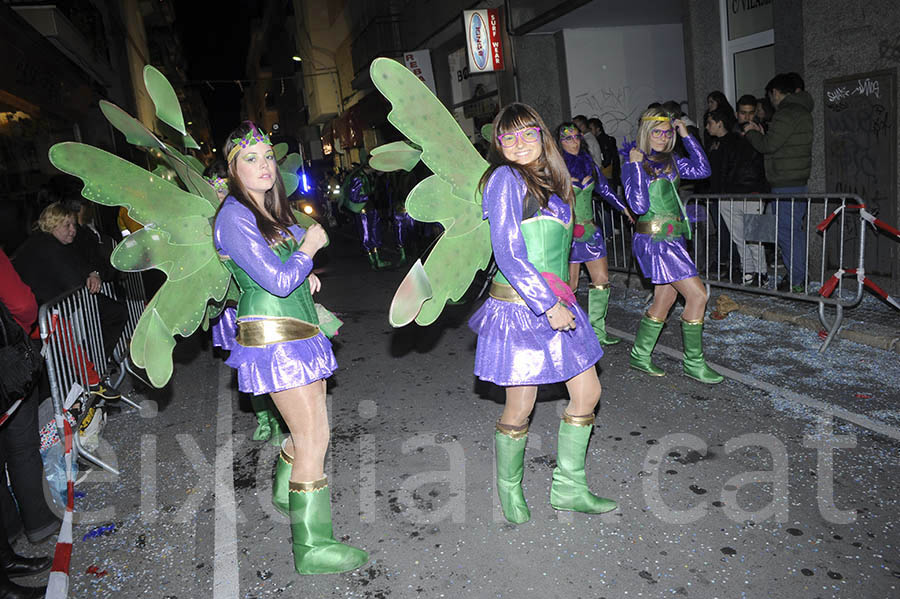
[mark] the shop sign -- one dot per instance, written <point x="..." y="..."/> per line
<point x="483" y="42"/>
<point x="419" y="62"/>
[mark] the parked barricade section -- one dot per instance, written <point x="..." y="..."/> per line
<point x="74" y="352"/>
<point x="800" y="240"/>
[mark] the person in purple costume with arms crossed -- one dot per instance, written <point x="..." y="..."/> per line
<point x="588" y="245"/>
<point x="527" y="334"/>
<point x="280" y="349"/>
<point x="651" y="180"/>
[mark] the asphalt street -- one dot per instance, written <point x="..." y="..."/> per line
<point x="780" y="482"/>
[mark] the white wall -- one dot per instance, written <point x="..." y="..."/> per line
<point x="615" y="72"/>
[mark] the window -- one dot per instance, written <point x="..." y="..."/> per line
<point x="748" y="43"/>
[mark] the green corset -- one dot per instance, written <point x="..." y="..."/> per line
<point x="584" y="205"/>
<point x="666" y="212"/>
<point x="295" y="315"/>
<point x="548" y="241"/>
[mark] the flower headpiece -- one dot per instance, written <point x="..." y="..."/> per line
<point x="218" y="183"/>
<point x="253" y="136"/>
<point x="567" y="131"/>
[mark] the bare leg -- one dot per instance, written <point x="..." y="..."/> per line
<point x="599" y="271"/>
<point x="663" y="298"/>
<point x="584" y="393"/>
<point x="519" y="404"/>
<point x="694" y="297"/>
<point x="303" y="409"/>
<point x="574" y="271"/>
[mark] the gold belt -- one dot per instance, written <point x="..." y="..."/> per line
<point x="505" y="293"/>
<point x="260" y="333"/>
<point x="655" y="226"/>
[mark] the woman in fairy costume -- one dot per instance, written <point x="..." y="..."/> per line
<point x="224" y="327"/>
<point x="527" y="335"/>
<point x="588" y="245"/>
<point x="651" y="188"/>
<point x="280" y="350"/>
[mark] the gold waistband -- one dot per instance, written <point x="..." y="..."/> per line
<point x="505" y="293"/>
<point x="652" y="227"/>
<point x="260" y="333"/>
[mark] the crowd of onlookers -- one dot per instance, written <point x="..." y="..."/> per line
<point x="759" y="146"/>
<point x="65" y="252"/>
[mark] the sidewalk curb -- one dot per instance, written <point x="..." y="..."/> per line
<point x="885" y="342"/>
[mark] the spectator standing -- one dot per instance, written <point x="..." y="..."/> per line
<point x="50" y="264"/>
<point x="787" y="148"/>
<point x="610" y="165"/>
<point x="20" y="456"/>
<point x="590" y="141"/>
<point x="737" y="169"/>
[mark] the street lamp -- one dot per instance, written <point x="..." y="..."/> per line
<point x="296" y="58"/>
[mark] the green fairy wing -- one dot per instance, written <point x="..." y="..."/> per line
<point x="450" y="196"/>
<point x="395" y="156"/>
<point x="176" y="206"/>
<point x="176" y="239"/>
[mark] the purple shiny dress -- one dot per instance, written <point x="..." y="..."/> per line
<point x="581" y="165"/>
<point x="224" y="329"/>
<point x="663" y="261"/>
<point x="516" y="345"/>
<point x="279" y="366"/>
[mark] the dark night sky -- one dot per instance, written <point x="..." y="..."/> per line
<point x="215" y="42"/>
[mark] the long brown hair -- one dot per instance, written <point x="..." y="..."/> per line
<point x="546" y="175"/>
<point x="275" y="199"/>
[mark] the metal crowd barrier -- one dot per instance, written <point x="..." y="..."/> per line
<point x="758" y="225"/>
<point x="73" y="349"/>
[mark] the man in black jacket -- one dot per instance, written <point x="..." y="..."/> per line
<point x="738" y="172"/>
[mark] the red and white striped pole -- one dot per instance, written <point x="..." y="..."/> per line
<point x="58" y="584"/>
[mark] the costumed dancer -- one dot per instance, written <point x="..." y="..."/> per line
<point x="400" y="184"/>
<point x="588" y="245"/>
<point x="357" y="196"/>
<point x="651" y="179"/>
<point x="224" y="328"/>
<point x="280" y="349"/>
<point x="530" y="330"/>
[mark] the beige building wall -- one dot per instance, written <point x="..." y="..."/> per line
<point x="138" y="56"/>
<point x="322" y="31"/>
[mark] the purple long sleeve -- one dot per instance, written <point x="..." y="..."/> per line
<point x="502" y="203"/>
<point x="236" y="236"/>
<point x="602" y="188"/>
<point x="636" y="182"/>
<point x="696" y="166"/>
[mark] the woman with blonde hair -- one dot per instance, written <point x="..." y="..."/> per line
<point x="651" y="178"/>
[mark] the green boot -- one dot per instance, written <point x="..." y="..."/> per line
<point x="260" y="405"/>
<point x="598" y="303"/>
<point x="509" y="444"/>
<point x="694" y="364"/>
<point x="379" y="263"/>
<point x="315" y="550"/>
<point x="281" y="482"/>
<point x="278" y="433"/>
<point x="372" y="261"/>
<point x="402" y="255"/>
<point x="644" y="342"/>
<point x="569" y="490"/>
